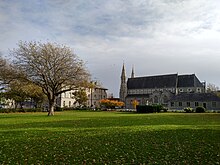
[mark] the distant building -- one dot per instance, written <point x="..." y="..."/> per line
<point x="207" y="100"/>
<point x="171" y="90"/>
<point x="95" y="94"/>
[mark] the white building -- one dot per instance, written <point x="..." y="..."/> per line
<point x="94" y="95"/>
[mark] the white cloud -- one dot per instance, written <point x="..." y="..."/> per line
<point x="157" y="36"/>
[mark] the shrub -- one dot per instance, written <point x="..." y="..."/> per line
<point x="58" y="109"/>
<point x="149" y="108"/>
<point x="13" y="110"/>
<point x="200" y="109"/>
<point x="188" y="110"/>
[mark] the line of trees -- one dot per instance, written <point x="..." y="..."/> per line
<point x="40" y="70"/>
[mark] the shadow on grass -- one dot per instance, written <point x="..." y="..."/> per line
<point x="116" y="121"/>
<point x="181" y="146"/>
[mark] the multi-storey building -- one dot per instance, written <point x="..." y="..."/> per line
<point x="94" y="95"/>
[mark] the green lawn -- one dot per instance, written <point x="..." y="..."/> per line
<point x="109" y="138"/>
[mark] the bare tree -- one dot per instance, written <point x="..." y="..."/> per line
<point x="5" y="71"/>
<point x="212" y="87"/>
<point x="53" y="67"/>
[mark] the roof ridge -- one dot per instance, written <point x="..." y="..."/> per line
<point x="157" y="76"/>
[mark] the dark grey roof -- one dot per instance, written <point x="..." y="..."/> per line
<point x="164" y="81"/>
<point x="137" y="95"/>
<point x="188" y="81"/>
<point x="161" y="81"/>
<point x="203" y="97"/>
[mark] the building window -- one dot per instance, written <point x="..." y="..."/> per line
<point x="180" y="104"/>
<point x="214" y="104"/>
<point x="165" y="99"/>
<point x="188" y="104"/>
<point x="172" y="104"/>
<point x="64" y="103"/>
<point x="180" y="90"/>
<point x="204" y="105"/>
<point x="69" y="103"/>
<point x="196" y="104"/>
<point x="189" y="90"/>
<point x="156" y="100"/>
<point x="198" y="90"/>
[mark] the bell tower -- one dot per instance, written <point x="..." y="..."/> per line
<point x="123" y="87"/>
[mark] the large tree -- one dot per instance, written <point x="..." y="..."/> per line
<point x="80" y="96"/>
<point x="20" y="91"/>
<point x="53" y="67"/>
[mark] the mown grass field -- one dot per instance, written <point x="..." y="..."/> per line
<point x="109" y="138"/>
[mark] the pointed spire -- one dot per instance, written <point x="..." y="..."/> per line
<point x="123" y="72"/>
<point x="132" y="72"/>
<point x="123" y="86"/>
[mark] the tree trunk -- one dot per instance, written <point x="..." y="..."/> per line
<point x="51" y="107"/>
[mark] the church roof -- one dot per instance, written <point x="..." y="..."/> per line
<point x="164" y="81"/>
<point x="152" y="82"/>
<point x="195" y="97"/>
<point x="188" y="81"/>
<point x="137" y="95"/>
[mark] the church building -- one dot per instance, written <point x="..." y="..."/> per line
<point x="159" y="89"/>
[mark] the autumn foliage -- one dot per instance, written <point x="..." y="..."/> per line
<point x="135" y="103"/>
<point x="111" y="103"/>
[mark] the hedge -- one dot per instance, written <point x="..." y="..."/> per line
<point x="13" y="110"/>
<point x="149" y="108"/>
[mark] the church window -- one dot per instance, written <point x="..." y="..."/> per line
<point x="180" y="90"/>
<point x="156" y="99"/>
<point x="189" y="90"/>
<point x="165" y="99"/>
<point x="198" y="90"/>
<point x="196" y="104"/>
<point x="69" y="103"/>
<point x="172" y="104"/>
<point x="64" y="103"/>
<point x="180" y="104"/>
<point x="188" y="104"/>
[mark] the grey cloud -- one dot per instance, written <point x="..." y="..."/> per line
<point x="143" y="33"/>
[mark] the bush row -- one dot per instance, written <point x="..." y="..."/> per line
<point x="197" y="110"/>
<point x="13" y="110"/>
<point x="150" y="108"/>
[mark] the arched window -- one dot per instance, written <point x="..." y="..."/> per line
<point x="156" y="99"/>
<point x="165" y="99"/>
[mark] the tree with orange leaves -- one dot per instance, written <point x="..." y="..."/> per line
<point x="135" y="103"/>
<point x="111" y="103"/>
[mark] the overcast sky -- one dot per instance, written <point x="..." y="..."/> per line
<point x="155" y="36"/>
